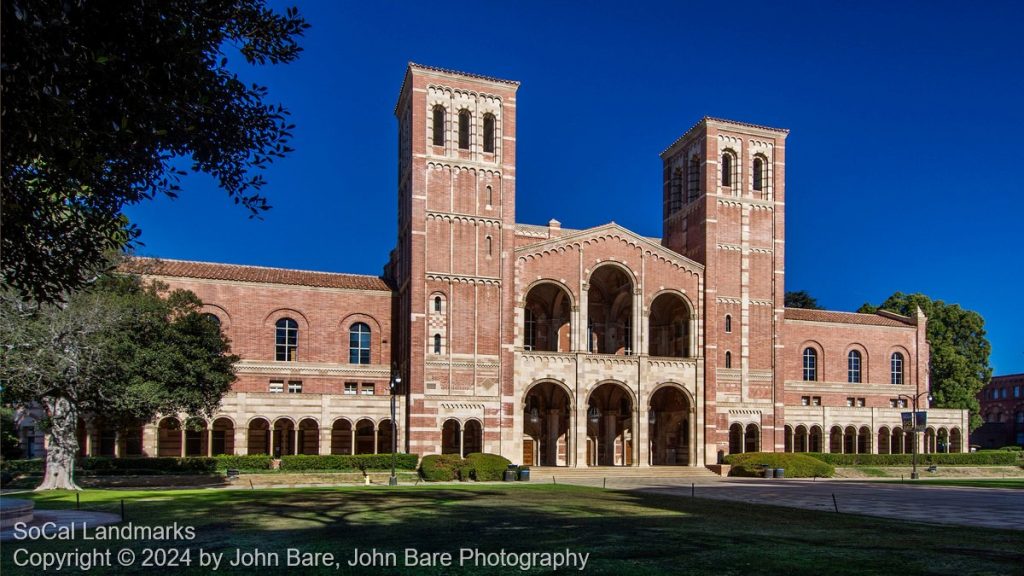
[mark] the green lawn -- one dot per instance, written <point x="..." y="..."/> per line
<point x="624" y="532"/>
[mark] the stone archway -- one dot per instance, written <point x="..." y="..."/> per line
<point x="308" y="437"/>
<point x="472" y="437"/>
<point x="169" y="438"/>
<point x="547" y="319"/>
<point x="610" y="311"/>
<point x="547" y="430"/>
<point x="342" y="438"/>
<point x="366" y="437"/>
<point x="670" y="428"/>
<point x="222" y="440"/>
<point x="258" y="436"/>
<point x="610" y="425"/>
<point x="451" y="437"/>
<point x="669" y="332"/>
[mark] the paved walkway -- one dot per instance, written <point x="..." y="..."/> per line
<point x="986" y="507"/>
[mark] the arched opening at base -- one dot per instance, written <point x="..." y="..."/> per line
<point x="546" y="437"/>
<point x="669" y="427"/>
<point x="610" y="424"/>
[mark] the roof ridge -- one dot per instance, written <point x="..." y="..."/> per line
<point x="257" y="266"/>
<point x="461" y="73"/>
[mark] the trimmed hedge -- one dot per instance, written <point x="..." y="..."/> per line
<point x="993" y="458"/>
<point x="796" y="465"/>
<point x="33" y="466"/>
<point x="484" y="467"/>
<point x="247" y="462"/>
<point x="441" y="467"/>
<point x="301" y="462"/>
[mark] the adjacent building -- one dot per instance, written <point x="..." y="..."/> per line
<point x="1002" y="409"/>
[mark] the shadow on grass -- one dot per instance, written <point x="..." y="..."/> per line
<point x="625" y="532"/>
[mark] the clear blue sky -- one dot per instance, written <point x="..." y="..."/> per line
<point x="903" y="161"/>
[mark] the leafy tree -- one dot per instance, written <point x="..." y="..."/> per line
<point x="103" y="103"/>
<point x="9" y="443"/>
<point x="122" y="350"/>
<point x="959" y="350"/>
<point x="801" y="299"/>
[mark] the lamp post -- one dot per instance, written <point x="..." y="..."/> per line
<point x="913" y="400"/>
<point x="396" y="380"/>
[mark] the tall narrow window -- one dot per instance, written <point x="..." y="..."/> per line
<point x="853" y="367"/>
<point x="728" y="359"/>
<point x="488" y="245"/>
<point x="437" y="343"/>
<point x="287" y="339"/>
<point x="464" y="129"/>
<point x="896" y="366"/>
<point x="728" y="323"/>
<point x="675" y="191"/>
<point x="810" y="364"/>
<point x="758" y="176"/>
<point x="726" y="169"/>
<point x="359" y="344"/>
<point x="437" y="303"/>
<point x="528" y="329"/>
<point x="438" y="125"/>
<point x="489" y="133"/>
<point x="693" y="179"/>
<point x="490" y="196"/>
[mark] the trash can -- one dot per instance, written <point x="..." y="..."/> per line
<point x="510" y="476"/>
<point x="768" y="471"/>
<point x="780" y="472"/>
<point x="524" y="474"/>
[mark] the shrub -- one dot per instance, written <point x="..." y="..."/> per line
<point x="247" y="462"/>
<point x="796" y="465"/>
<point x="111" y="466"/>
<point x="441" y="467"/>
<point x="363" y="462"/>
<point x="33" y="466"/>
<point x="484" y="467"/>
<point x="992" y="458"/>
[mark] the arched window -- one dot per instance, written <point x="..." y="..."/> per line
<point x="287" y="339"/>
<point x="728" y="359"/>
<point x="464" y="118"/>
<point x="487" y="241"/>
<point x="359" y="344"/>
<point x="810" y="364"/>
<point x="438" y="125"/>
<point x="758" y="174"/>
<point x="728" y="323"/>
<point x="489" y="133"/>
<point x="896" y="368"/>
<point x="437" y="303"/>
<point x="853" y="367"/>
<point x="675" y="191"/>
<point x="726" y="169"/>
<point x="212" y="318"/>
<point x="693" y="179"/>
<point x="490" y="196"/>
<point x="437" y="343"/>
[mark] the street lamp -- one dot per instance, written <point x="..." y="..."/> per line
<point x="396" y="380"/>
<point x="913" y="399"/>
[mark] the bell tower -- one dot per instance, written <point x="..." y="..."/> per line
<point x="453" y="263"/>
<point x="724" y="206"/>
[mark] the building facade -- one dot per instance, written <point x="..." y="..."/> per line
<point x="551" y="346"/>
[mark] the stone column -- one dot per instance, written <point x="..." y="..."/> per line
<point x="462" y="441"/>
<point x="88" y="439"/>
<point x="352" y="439"/>
<point x="325" y="440"/>
<point x="117" y="443"/>
<point x="270" y="443"/>
<point x="209" y="440"/>
<point x="182" y="439"/>
<point x="150" y="439"/>
<point x="295" y="439"/>
<point x="241" y="447"/>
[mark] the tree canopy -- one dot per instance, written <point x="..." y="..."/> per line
<point x="801" y="299"/>
<point x="104" y="103"/>
<point x="959" y="349"/>
<point x="120" y="351"/>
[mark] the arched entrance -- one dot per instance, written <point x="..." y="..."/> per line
<point x="835" y="440"/>
<point x="752" y="438"/>
<point x="816" y="439"/>
<point x="258" y="437"/>
<point x="736" y="438"/>
<point x="169" y="438"/>
<point x="800" y="439"/>
<point x="864" y="440"/>
<point x="787" y="434"/>
<point x="942" y="441"/>
<point x="897" y="441"/>
<point x="669" y="427"/>
<point x="283" y="438"/>
<point x="366" y="437"/>
<point x="342" y="439"/>
<point x="308" y="437"/>
<point x="610" y="425"/>
<point x="384" y="436"/>
<point x="610" y="311"/>
<point x="669" y="326"/>
<point x="955" y="440"/>
<point x="451" y="437"/>
<point x="473" y="437"/>
<point x="884" y="440"/>
<point x="929" y="440"/>
<point x="850" y="440"/>
<point x="196" y="437"/>
<point x="223" y="436"/>
<point x="547" y="319"/>
<point x="546" y="425"/>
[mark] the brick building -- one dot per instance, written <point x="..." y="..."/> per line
<point x="1002" y="409"/>
<point x="551" y="346"/>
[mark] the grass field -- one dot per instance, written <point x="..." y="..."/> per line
<point x="624" y="532"/>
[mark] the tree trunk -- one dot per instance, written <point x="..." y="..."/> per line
<point x="62" y="445"/>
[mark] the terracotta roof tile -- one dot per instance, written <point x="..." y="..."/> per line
<point x="888" y="319"/>
<point x="239" y="273"/>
